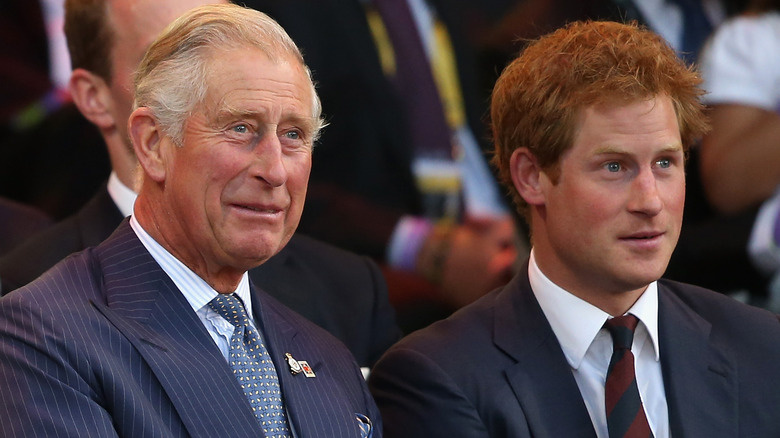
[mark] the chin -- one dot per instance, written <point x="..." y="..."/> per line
<point x="245" y="263"/>
<point x="253" y="256"/>
<point x="642" y="279"/>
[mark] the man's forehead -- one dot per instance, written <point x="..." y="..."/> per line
<point x="245" y="94"/>
<point x="222" y="72"/>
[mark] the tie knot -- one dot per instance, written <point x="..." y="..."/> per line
<point x="622" y="330"/>
<point x="230" y="307"/>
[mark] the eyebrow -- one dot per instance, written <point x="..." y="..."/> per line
<point x="226" y="114"/>
<point x="605" y="150"/>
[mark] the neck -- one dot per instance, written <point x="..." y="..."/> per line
<point x="161" y="226"/>
<point x="123" y="161"/>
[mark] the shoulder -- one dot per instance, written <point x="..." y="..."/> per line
<point x="308" y="259"/>
<point x="453" y="345"/>
<point x="61" y="285"/>
<point x="94" y="222"/>
<point x="727" y="317"/>
<point x="309" y="275"/>
<point x="447" y="379"/>
<point x="308" y="334"/>
<point x="39" y="253"/>
<point x="708" y="301"/>
<point x="303" y="246"/>
<point x="39" y="314"/>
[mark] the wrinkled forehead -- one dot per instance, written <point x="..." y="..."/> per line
<point x="221" y="85"/>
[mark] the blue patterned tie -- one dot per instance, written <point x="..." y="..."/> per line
<point x="253" y="367"/>
<point x="625" y="413"/>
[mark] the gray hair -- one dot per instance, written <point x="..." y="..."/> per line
<point x="172" y="77"/>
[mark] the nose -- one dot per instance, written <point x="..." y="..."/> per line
<point x="268" y="165"/>
<point x="645" y="197"/>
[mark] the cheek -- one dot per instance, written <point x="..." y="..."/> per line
<point x="583" y="201"/>
<point x="674" y="195"/>
<point x="587" y="211"/>
<point x="298" y="174"/>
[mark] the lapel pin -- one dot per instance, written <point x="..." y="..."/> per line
<point x="295" y="366"/>
<point x="307" y="371"/>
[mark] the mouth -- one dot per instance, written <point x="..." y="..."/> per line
<point x="259" y="209"/>
<point x="643" y="237"/>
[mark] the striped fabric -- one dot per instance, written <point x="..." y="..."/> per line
<point x="105" y="345"/>
<point x="625" y="414"/>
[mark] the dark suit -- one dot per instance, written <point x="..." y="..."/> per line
<point x="339" y="291"/>
<point x="18" y="222"/>
<point x="104" y="344"/>
<point x="496" y="369"/>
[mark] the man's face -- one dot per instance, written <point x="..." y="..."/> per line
<point x="610" y="224"/>
<point x="235" y="188"/>
<point x="136" y="24"/>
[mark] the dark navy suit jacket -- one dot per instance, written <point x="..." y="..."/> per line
<point x="496" y="369"/>
<point x="340" y="291"/>
<point x="105" y="345"/>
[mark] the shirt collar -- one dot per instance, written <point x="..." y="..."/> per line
<point x="576" y="322"/>
<point x="197" y="292"/>
<point x="123" y="196"/>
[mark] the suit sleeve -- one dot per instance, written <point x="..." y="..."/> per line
<point x="417" y="398"/>
<point x="384" y="329"/>
<point x="43" y="393"/>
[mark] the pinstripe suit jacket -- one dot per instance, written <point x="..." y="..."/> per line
<point x="105" y="345"/>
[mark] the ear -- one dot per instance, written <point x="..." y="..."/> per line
<point x="148" y="141"/>
<point x="526" y="176"/>
<point x="92" y="96"/>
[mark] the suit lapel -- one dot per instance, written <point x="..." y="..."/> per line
<point x="542" y="379"/>
<point x="145" y="305"/>
<point x="303" y="396"/>
<point x="699" y="376"/>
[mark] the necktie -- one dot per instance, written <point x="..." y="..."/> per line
<point x="625" y="413"/>
<point x="430" y="133"/>
<point x="253" y="367"/>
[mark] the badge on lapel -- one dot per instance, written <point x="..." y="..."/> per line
<point x="299" y="366"/>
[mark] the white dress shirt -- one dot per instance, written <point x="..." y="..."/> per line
<point x="578" y="325"/>
<point x="123" y="196"/>
<point x="197" y="292"/>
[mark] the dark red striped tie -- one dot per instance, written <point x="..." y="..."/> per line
<point x="625" y="413"/>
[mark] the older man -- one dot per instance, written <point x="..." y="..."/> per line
<point x="592" y="123"/>
<point x="335" y="289"/>
<point x="158" y="332"/>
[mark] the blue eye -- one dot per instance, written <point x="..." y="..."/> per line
<point x="294" y="135"/>
<point x="613" y="166"/>
<point x="664" y="163"/>
<point x="241" y="129"/>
